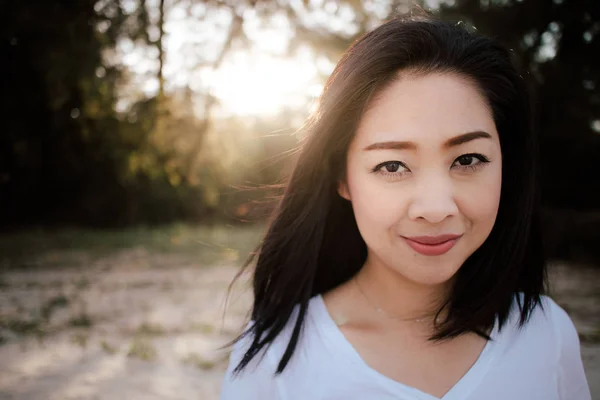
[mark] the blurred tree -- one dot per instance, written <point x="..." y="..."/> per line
<point x="66" y="154"/>
<point x="82" y="142"/>
<point x="58" y="99"/>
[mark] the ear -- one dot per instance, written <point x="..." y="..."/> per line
<point x="343" y="190"/>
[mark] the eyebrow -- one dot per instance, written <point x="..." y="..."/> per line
<point x="452" y="142"/>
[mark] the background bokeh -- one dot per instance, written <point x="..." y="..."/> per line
<point x="142" y="144"/>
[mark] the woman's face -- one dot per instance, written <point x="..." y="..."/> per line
<point x="423" y="175"/>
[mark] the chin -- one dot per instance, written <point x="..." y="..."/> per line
<point x="432" y="274"/>
<point x="432" y="280"/>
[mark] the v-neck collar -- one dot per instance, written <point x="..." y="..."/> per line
<point x="461" y="390"/>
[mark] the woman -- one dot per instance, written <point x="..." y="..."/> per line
<point x="404" y="260"/>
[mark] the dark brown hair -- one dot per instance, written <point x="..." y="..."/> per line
<point x="313" y="244"/>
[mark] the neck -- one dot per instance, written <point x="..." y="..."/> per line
<point x="397" y="296"/>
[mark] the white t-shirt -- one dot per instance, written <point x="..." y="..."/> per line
<point x="540" y="361"/>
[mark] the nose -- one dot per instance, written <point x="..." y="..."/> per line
<point x="432" y="198"/>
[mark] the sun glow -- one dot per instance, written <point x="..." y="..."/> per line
<point x="259" y="84"/>
<point x="258" y="78"/>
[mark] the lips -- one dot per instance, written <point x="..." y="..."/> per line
<point x="432" y="245"/>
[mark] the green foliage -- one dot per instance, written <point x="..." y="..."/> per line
<point x="67" y="154"/>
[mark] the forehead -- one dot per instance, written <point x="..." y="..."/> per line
<point x="426" y="109"/>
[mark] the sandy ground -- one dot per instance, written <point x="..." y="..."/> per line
<point x="122" y="328"/>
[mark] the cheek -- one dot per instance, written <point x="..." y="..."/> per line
<point x="375" y="205"/>
<point x="479" y="203"/>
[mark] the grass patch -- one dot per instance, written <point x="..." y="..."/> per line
<point x="23" y="326"/>
<point x="80" y="339"/>
<point x="199" y="362"/>
<point x="81" y="321"/>
<point x="108" y="348"/>
<point x="82" y="283"/>
<point x="150" y="329"/>
<point x="140" y="285"/>
<point x="204" y="245"/>
<point x="59" y="301"/>
<point x="204" y="328"/>
<point x="142" y="349"/>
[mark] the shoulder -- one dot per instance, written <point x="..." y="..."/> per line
<point x="547" y="315"/>
<point x="572" y="382"/>
<point x="552" y="316"/>
<point x="566" y="336"/>
<point x="256" y="380"/>
<point x="563" y="325"/>
<point x="553" y="329"/>
<point x="259" y="378"/>
<point x="550" y="321"/>
<point x="546" y="334"/>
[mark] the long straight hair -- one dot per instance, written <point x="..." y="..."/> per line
<point x="313" y="243"/>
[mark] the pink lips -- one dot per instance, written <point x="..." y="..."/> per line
<point x="432" y="245"/>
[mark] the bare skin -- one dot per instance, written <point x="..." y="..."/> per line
<point x="400" y="349"/>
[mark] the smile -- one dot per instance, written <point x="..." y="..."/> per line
<point x="432" y="245"/>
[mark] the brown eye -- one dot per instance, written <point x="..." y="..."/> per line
<point x="465" y="160"/>
<point x="470" y="161"/>
<point x="392" y="167"/>
<point x="395" y="168"/>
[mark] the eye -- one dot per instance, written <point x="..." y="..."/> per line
<point x="391" y="168"/>
<point x="470" y="161"/>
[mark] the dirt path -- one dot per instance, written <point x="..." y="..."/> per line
<point x="119" y="329"/>
<point x="122" y="328"/>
